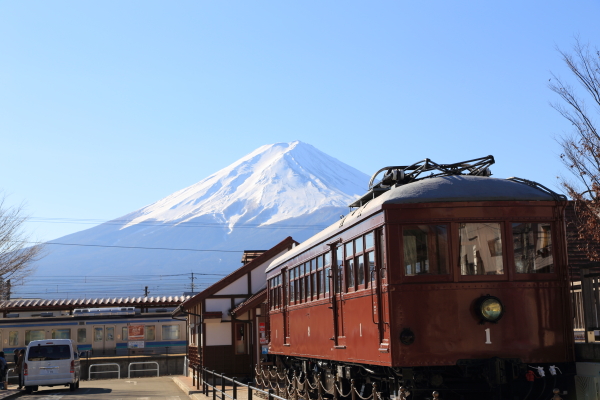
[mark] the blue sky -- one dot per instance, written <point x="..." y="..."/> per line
<point x="108" y="106"/>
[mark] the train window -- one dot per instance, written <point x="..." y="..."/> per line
<point x="110" y="333"/>
<point x="349" y="249"/>
<point x="150" y="332"/>
<point x="532" y="244"/>
<point x="61" y="334"/>
<point x="480" y="249"/>
<point x="81" y="335"/>
<point x="381" y="254"/>
<point x="319" y="289"/>
<point x="291" y="286"/>
<point x="170" y="332"/>
<point x="98" y="334"/>
<point x="300" y="296"/>
<point x="425" y="250"/>
<point x="360" y="270"/>
<point x="350" y="273"/>
<point x="125" y="333"/>
<point x="34" y="335"/>
<point x="369" y="240"/>
<point x="370" y="261"/>
<point x="13" y="338"/>
<point x="358" y="245"/>
<point x="340" y="269"/>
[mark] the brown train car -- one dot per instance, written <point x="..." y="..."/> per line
<point x="455" y="283"/>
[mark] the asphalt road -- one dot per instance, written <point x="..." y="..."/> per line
<point x="162" y="388"/>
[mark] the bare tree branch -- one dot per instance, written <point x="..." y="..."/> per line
<point x="16" y="259"/>
<point x="581" y="147"/>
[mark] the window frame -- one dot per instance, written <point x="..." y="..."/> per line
<point x="452" y="238"/>
<point x="537" y="276"/>
<point x="455" y="253"/>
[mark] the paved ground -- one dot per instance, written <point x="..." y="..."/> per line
<point x="162" y="388"/>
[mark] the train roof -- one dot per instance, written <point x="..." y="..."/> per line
<point x="451" y="188"/>
<point x="464" y="188"/>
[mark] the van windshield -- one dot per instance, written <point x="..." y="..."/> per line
<point x="45" y="353"/>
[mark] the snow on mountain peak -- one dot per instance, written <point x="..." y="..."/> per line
<point x="273" y="183"/>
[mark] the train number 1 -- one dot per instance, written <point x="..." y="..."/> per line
<point x="488" y="339"/>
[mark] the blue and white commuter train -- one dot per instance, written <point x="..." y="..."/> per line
<point x="103" y="331"/>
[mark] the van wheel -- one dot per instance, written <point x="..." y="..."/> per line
<point x="72" y="387"/>
<point x="28" y="389"/>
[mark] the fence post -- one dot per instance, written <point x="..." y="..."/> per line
<point x="193" y="376"/>
<point x="214" y="385"/>
<point x="352" y="389"/>
<point x="249" y="392"/>
<point x="295" y="387"/>
<point x="234" y="388"/>
<point x="319" y="387"/>
<point x="270" y="394"/>
<point x="198" y="378"/>
<point x="223" y="386"/>
<point x="335" y="392"/>
<point x="306" y="386"/>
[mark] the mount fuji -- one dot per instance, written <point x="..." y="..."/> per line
<point x="278" y="190"/>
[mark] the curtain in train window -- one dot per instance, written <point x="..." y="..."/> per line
<point x="125" y="333"/>
<point x="61" y="334"/>
<point x="532" y="244"/>
<point x="13" y="338"/>
<point x="170" y="332"/>
<point x="480" y="249"/>
<point x="150" y="332"/>
<point x="81" y="335"/>
<point x="425" y="250"/>
<point x="34" y="335"/>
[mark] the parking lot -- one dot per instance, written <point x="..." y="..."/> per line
<point x="161" y="388"/>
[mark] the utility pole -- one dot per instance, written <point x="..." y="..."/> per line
<point x="146" y="291"/>
<point x="192" y="282"/>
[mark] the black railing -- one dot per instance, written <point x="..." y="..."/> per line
<point x="214" y="386"/>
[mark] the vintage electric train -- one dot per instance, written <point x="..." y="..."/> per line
<point x="453" y="282"/>
<point x="100" y="331"/>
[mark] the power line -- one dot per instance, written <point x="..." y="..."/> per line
<point x="184" y="224"/>
<point x="133" y="247"/>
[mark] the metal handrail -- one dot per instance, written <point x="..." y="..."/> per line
<point x="143" y="362"/>
<point x="236" y="384"/>
<point x="118" y="371"/>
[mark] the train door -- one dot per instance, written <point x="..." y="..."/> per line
<point x="382" y="298"/>
<point x="103" y="339"/>
<point x="338" y="296"/>
<point x="284" y="305"/>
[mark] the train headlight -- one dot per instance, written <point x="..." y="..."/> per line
<point x="489" y="308"/>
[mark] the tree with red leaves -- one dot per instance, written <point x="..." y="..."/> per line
<point x="581" y="147"/>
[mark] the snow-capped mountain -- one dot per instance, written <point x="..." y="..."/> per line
<point x="272" y="184"/>
<point x="278" y="190"/>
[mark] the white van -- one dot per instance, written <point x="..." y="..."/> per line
<point x="53" y="362"/>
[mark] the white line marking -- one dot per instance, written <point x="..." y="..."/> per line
<point x="134" y="382"/>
